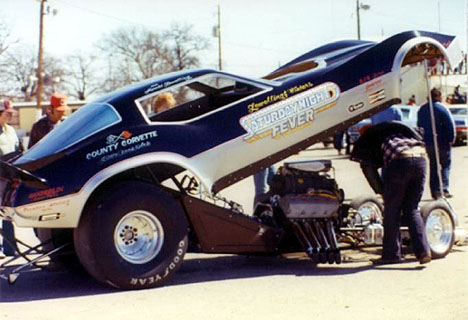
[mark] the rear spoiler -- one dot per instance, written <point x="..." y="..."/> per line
<point x="11" y="173"/>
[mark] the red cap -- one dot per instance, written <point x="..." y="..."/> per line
<point x="6" y="106"/>
<point x="58" y="101"/>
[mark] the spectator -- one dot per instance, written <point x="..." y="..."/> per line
<point x="457" y="96"/>
<point x="399" y="150"/>
<point x="55" y="114"/>
<point x="338" y="141"/>
<point x="262" y="180"/>
<point x="9" y="143"/>
<point x="412" y="100"/>
<point x="341" y="139"/>
<point x="445" y="130"/>
<point x="389" y="114"/>
<point x="163" y="102"/>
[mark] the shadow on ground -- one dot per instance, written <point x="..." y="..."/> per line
<point x="196" y="268"/>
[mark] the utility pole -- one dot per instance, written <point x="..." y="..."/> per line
<point x="220" y="61"/>
<point x="360" y="6"/>
<point x="39" y="58"/>
<point x="438" y="10"/>
<point x="358" y="21"/>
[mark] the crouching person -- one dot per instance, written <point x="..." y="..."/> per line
<point x="399" y="151"/>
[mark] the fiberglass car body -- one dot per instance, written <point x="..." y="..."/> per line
<point x="100" y="171"/>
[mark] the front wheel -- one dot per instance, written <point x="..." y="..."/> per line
<point x="369" y="208"/>
<point x="440" y="228"/>
<point x="133" y="236"/>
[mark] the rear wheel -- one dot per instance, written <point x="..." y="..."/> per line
<point x="133" y="236"/>
<point x="440" y="228"/>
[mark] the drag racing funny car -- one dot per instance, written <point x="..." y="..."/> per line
<point x="130" y="190"/>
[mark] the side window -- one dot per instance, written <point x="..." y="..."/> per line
<point x="405" y="113"/>
<point x="166" y="100"/>
<point x="190" y="100"/>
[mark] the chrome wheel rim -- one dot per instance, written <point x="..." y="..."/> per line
<point x="138" y="237"/>
<point x="367" y="211"/>
<point x="439" y="230"/>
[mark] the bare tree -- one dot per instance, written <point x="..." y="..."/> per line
<point x="183" y="47"/>
<point x="80" y="75"/>
<point x="5" y="37"/>
<point x="18" y="76"/>
<point x="135" y="54"/>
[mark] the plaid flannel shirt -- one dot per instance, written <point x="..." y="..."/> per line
<point x="395" y="144"/>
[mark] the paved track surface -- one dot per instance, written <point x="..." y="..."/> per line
<point x="239" y="287"/>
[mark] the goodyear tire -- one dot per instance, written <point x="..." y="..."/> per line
<point x="440" y="228"/>
<point x="368" y="207"/>
<point x="133" y="236"/>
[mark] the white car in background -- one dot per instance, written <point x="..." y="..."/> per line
<point x="460" y="116"/>
<point x="409" y="114"/>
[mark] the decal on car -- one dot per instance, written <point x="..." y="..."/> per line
<point x="47" y="193"/>
<point x="289" y="115"/>
<point x="255" y="106"/>
<point x="376" y="96"/>
<point x="374" y="85"/>
<point x="122" y="144"/>
<point x="157" y="86"/>
<point x="370" y="77"/>
<point x="355" y="107"/>
<point x="49" y="206"/>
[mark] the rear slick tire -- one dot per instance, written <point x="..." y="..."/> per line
<point x="133" y="236"/>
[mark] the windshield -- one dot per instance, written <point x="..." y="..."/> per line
<point x="459" y="111"/>
<point x="85" y="122"/>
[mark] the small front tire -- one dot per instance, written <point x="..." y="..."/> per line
<point x="369" y="208"/>
<point x="440" y="228"/>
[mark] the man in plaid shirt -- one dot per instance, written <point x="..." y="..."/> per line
<point x="399" y="150"/>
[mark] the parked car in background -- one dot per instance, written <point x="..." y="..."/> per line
<point x="460" y="116"/>
<point x="355" y="130"/>
<point x="409" y="114"/>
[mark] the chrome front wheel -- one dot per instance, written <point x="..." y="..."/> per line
<point x="439" y="228"/>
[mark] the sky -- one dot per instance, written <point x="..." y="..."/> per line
<point x="257" y="36"/>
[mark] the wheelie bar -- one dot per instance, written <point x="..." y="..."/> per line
<point x="10" y="271"/>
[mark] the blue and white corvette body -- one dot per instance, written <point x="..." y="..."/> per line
<point x="220" y="133"/>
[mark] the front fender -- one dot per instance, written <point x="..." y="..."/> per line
<point x="65" y="212"/>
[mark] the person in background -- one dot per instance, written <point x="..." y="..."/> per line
<point x="9" y="143"/>
<point x="445" y="129"/>
<point x="55" y="114"/>
<point x="389" y="114"/>
<point x="262" y="180"/>
<point x="338" y="141"/>
<point x="342" y="139"/>
<point x="411" y="100"/>
<point x="163" y="102"/>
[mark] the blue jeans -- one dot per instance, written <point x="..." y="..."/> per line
<point x="445" y="162"/>
<point x="403" y="188"/>
<point x="8" y="231"/>
<point x="261" y="181"/>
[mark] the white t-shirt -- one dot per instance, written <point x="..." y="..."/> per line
<point x="9" y="141"/>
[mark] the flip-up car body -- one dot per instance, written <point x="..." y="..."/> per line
<point x="101" y="172"/>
